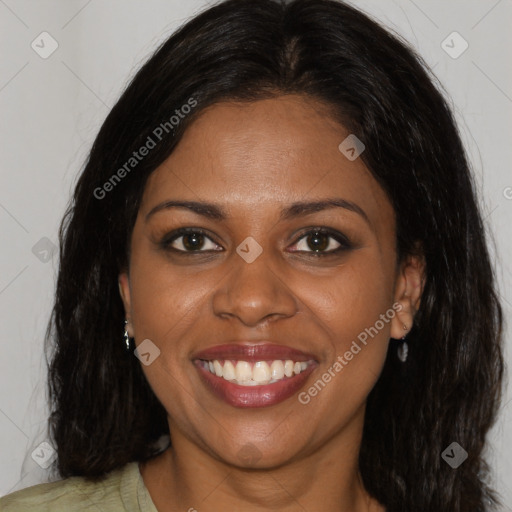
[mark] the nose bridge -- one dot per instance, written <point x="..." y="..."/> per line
<point x="253" y="290"/>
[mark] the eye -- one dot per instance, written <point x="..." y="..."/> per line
<point x="189" y="240"/>
<point x="322" y="242"/>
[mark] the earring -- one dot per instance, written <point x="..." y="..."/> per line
<point x="126" y="336"/>
<point x="403" y="349"/>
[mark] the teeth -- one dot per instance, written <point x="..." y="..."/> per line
<point x="257" y="373"/>
<point x="288" y="368"/>
<point x="261" y="372"/>
<point x="277" y="369"/>
<point x="228" y="371"/>
<point x="243" y="371"/>
<point x="217" y="368"/>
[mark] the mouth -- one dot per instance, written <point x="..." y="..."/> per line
<point x="254" y="375"/>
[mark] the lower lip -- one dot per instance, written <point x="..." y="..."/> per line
<point x="253" y="396"/>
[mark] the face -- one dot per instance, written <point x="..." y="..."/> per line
<point x="254" y="271"/>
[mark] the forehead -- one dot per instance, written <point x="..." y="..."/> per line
<point x="262" y="155"/>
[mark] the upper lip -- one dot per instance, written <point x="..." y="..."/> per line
<point x="245" y="351"/>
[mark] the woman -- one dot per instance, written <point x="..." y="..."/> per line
<point x="338" y="344"/>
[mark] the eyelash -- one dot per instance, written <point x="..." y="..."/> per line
<point x="338" y="237"/>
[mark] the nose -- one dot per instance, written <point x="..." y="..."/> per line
<point x="254" y="293"/>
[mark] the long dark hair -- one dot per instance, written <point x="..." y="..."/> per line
<point x="104" y="413"/>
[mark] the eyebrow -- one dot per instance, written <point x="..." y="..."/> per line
<point x="216" y="212"/>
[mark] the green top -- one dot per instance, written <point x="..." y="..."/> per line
<point x="122" y="489"/>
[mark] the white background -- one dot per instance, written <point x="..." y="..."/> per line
<point x="51" y="110"/>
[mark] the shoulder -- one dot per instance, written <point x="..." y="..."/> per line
<point x="111" y="493"/>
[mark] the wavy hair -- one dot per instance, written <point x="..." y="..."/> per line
<point x="103" y="412"/>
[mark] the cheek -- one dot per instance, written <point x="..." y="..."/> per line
<point x="167" y="307"/>
<point x="165" y="300"/>
<point x="356" y="310"/>
<point x="349" y="307"/>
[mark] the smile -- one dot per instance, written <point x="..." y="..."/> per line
<point x="257" y="373"/>
<point x="248" y="376"/>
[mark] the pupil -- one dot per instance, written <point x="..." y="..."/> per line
<point x="314" y="242"/>
<point x="192" y="240"/>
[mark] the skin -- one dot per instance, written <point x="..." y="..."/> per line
<point x="253" y="159"/>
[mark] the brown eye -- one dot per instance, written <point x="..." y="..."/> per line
<point x="193" y="241"/>
<point x="189" y="240"/>
<point x="318" y="241"/>
<point x="321" y="242"/>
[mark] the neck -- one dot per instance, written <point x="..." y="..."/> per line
<point x="326" y="477"/>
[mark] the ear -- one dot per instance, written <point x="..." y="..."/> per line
<point x="409" y="286"/>
<point x="124" y="290"/>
